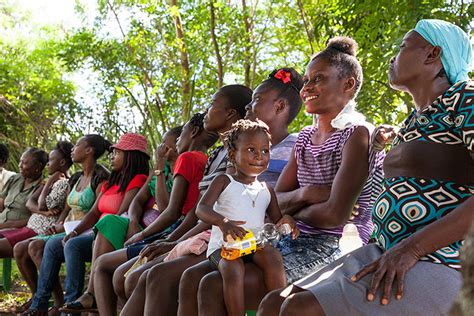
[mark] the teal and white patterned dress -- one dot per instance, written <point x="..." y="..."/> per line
<point x="408" y="204"/>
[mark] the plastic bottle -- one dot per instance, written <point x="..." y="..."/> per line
<point x="254" y="239"/>
<point x="350" y="239"/>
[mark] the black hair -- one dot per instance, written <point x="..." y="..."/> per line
<point x="244" y="126"/>
<point x="4" y="154"/>
<point x="290" y="90"/>
<point x="197" y="120"/>
<point x="135" y="163"/>
<point x="238" y="96"/>
<point x="341" y="52"/>
<point x="65" y="148"/>
<point x="99" y="143"/>
<point x="39" y="155"/>
<point x="175" y="131"/>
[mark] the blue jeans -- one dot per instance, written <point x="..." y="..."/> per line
<point x="76" y="253"/>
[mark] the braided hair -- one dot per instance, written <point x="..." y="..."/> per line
<point x="244" y="126"/>
<point x="341" y="52"/>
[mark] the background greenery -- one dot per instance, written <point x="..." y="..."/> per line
<point x="171" y="56"/>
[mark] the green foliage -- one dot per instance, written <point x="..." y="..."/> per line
<point x="36" y="100"/>
<point x="149" y="76"/>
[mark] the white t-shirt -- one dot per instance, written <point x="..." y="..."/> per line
<point x="236" y="202"/>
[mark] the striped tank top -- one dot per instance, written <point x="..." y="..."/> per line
<point x="319" y="164"/>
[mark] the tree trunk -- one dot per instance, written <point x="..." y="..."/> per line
<point x="185" y="83"/>
<point x="247" y="45"/>
<point x="220" y="71"/>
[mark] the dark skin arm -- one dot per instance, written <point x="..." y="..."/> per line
<point x="93" y="216"/>
<point x="346" y="188"/>
<point x="291" y="197"/>
<point x="170" y="215"/>
<point x="205" y="210"/>
<point x="393" y="265"/>
<point x="137" y="206"/>
<point x="162" y="246"/>
<point x="14" y="223"/>
<point x="274" y="214"/>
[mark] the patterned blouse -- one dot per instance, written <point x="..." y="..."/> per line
<point x="408" y="204"/>
<point x="55" y="199"/>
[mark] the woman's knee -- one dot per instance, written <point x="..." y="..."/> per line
<point x="20" y="251"/>
<point x="35" y="248"/>
<point x="132" y="280"/>
<point x="190" y="278"/>
<point x="302" y="303"/>
<point x="270" y="305"/>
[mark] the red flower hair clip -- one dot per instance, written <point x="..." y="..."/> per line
<point x="283" y="75"/>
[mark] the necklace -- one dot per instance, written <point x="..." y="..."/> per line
<point x="249" y="196"/>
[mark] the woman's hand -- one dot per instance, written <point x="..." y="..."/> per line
<point x="53" y="212"/>
<point x="162" y="154"/>
<point x="232" y="229"/>
<point x="157" y="248"/>
<point x="55" y="229"/>
<point x="69" y="236"/>
<point x="391" y="267"/>
<point x="135" y="238"/>
<point x="133" y="228"/>
<point x="383" y="135"/>
<point x="286" y="219"/>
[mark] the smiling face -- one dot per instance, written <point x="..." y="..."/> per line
<point x="252" y="153"/>
<point x="323" y="90"/>
<point x="263" y="105"/>
<point x="406" y="67"/>
<point x="55" y="161"/>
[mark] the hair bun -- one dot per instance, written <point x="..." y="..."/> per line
<point x="343" y="44"/>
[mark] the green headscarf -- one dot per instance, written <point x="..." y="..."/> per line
<point x="456" y="55"/>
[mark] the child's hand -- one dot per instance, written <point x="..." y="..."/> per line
<point x="287" y="219"/>
<point x="232" y="229"/>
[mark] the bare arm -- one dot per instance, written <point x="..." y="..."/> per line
<point x="135" y="211"/>
<point x="291" y="197"/>
<point x="273" y="210"/>
<point x="172" y="213"/>
<point x="347" y="185"/>
<point x="14" y="223"/>
<point x="188" y="224"/>
<point x="32" y="203"/>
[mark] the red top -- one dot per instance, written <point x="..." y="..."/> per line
<point x="191" y="165"/>
<point x="110" y="200"/>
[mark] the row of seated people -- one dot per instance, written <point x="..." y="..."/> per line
<point x="154" y="237"/>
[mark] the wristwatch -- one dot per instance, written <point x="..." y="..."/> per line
<point x="159" y="172"/>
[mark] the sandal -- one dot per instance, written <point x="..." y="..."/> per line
<point x="34" y="312"/>
<point x="77" y="306"/>
<point x="23" y="307"/>
<point x="54" y="311"/>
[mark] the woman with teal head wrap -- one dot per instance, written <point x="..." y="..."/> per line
<point x="456" y="54"/>
<point x="426" y="207"/>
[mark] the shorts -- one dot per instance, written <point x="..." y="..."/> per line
<point x="216" y="257"/>
<point x="14" y="236"/>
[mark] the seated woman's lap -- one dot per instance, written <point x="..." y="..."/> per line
<point x="307" y="253"/>
<point x="338" y="295"/>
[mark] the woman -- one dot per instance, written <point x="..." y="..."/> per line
<point x="276" y="101"/>
<point x="81" y="196"/>
<point x="129" y="162"/>
<point x="331" y="169"/>
<point x="19" y="188"/>
<point x="45" y="204"/>
<point x="228" y="106"/>
<point x="426" y="205"/>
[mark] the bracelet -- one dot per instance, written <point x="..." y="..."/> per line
<point x="225" y="220"/>
<point x="159" y="172"/>
<point x="75" y="232"/>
